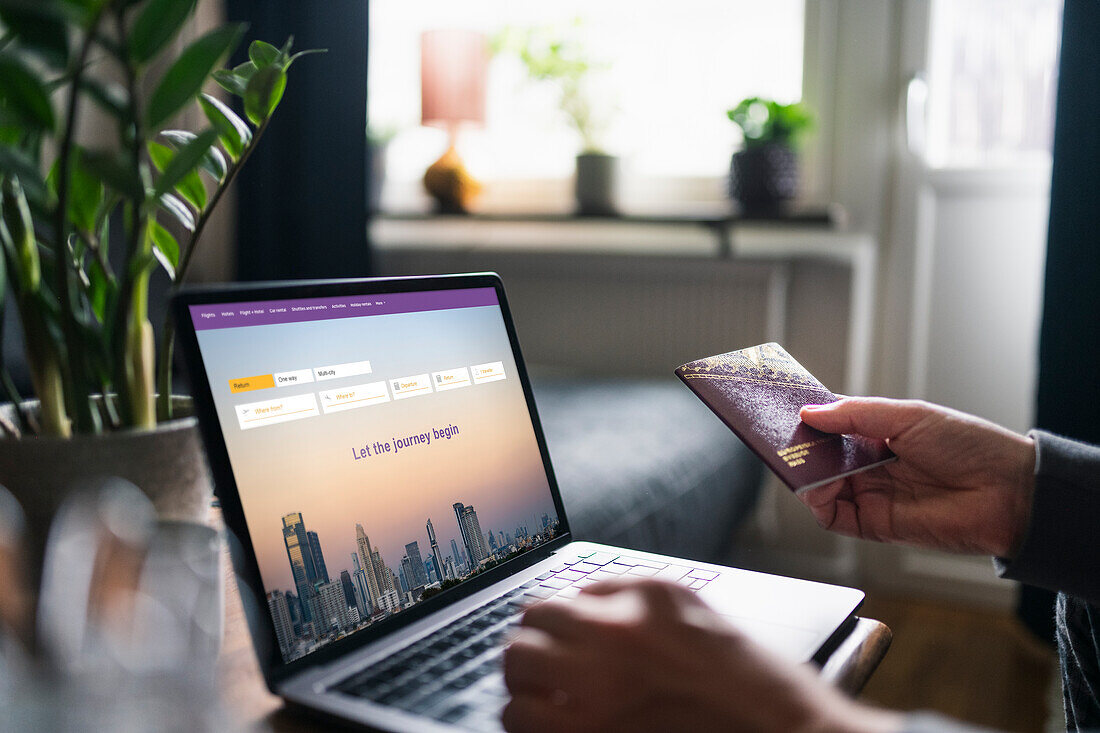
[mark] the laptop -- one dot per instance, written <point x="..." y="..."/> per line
<point x="378" y="458"/>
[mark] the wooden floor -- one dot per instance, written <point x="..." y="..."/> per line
<point x="977" y="665"/>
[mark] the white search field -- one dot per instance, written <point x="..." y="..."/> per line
<point x="411" y="386"/>
<point x="490" y="372"/>
<point x="339" y="371"/>
<point x="289" y="379"/>
<point x="451" y="379"/>
<point x="270" y="412"/>
<point x="350" y="398"/>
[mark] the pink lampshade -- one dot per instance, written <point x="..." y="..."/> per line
<point x="453" y="67"/>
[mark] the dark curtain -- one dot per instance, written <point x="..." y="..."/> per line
<point x="302" y="197"/>
<point x="1069" y="343"/>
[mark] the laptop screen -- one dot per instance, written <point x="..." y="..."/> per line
<point x="381" y="446"/>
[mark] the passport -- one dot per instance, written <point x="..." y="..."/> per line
<point x="757" y="392"/>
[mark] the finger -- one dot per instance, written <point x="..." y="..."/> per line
<point x="533" y="664"/>
<point x="537" y="713"/>
<point x="833" y="509"/>
<point x="874" y="417"/>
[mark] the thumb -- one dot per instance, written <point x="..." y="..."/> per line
<point x="873" y="417"/>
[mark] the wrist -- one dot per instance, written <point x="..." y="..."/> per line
<point x="1021" y="495"/>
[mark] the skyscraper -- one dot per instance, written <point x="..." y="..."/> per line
<point x="318" y="558"/>
<point x="456" y="554"/>
<point x="492" y="542"/>
<point x="362" y="542"/>
<point x="435" y="549"/>
<point x="472" y="537"/>
<point x="300" y="556"/>
<point x="349" y="589"/>
<point x="500" y="540"/>
<point x="403" y="574"/>
<point x="434" y="575"/>
<point x="280" y="616"/>
<point x="419" y="576"/>
<point x="362" y="592"/>
<point x="330" y="610"/>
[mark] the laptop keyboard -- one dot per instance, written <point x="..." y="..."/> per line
<point x="448" y="675"/>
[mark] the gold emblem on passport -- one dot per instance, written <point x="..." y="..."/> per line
<point x="764" y="363"/>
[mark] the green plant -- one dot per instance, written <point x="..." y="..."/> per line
<point x="548" y="55"/>
<point x="88" y="340"/>
<point x="765" y="121"/>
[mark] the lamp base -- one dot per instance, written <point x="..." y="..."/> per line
<point x="450" y="184"/>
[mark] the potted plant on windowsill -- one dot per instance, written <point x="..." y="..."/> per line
<point x="764" y="173"/>
<point x="89" y="344"/>
<point x="549" y="56"/>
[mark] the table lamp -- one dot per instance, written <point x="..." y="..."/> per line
<point x="453" y="67"/>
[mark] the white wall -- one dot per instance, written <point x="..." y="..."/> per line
<point x="987" y="238"/>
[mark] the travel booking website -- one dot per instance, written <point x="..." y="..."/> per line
<point x="382" y="448"/>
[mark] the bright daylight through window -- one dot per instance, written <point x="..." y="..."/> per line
<point x="658" y="94"/>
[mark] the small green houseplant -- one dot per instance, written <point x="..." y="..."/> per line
<point x="550" y="56"/>
<point x="89" y="343"/>
<point x="764" y="173"/>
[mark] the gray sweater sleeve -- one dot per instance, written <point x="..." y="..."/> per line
<point x="1061" y="550"/>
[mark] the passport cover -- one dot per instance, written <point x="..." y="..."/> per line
<point x="757" y="392"/>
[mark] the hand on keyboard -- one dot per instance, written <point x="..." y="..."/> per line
<point x="642" y="654"/>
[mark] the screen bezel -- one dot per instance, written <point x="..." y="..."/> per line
<point x="245" y="563"/>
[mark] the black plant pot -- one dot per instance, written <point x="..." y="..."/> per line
<point x="764" y="177"/>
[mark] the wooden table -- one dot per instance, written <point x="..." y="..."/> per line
<point x="849" y="667"/>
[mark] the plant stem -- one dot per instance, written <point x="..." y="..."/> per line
<point x="168" y="330"/>
<point x="122" y="339"/>
<point x="73" y="370"/>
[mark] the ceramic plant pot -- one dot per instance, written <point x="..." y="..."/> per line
<point x="597" y="184"/>
<point x="764" y="177"/>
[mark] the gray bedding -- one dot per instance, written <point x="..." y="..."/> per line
<point x="644" y="464"/>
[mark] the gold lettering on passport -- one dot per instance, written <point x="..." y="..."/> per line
<point x="795" y="455"/>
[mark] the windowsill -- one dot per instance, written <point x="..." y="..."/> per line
<point x="683" y="196"/>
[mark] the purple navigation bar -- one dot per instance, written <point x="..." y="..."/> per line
<point x="269" y="312"/>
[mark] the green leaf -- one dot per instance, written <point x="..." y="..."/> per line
<point x="74" y="12"/>
<point x="246" y="70"/>
<point x="190" y="186"/>
<point x="15" y="162"/>
<point x="291" y="59"/>
<point x="192" y="190"/>
<point x="232" y="130"/>
<point x="85" y="194"/>
<point x="115" y="170"/>
<point x="184" y="161"/>
<point x="178" y="210"/>
<point x="161" y="155"/>
<point x="165" y="248"/>
<point x="24" y="94"/>
<point x="264" y="92"/>
<point x="19" y="236"/>
<point x="262" y="54"/>
<point x="213" y="162"/>
<point x="156" y="25"/>
<point x="184" y="79"/>
<point x="43" y="33"/>
<point x="110" y="97"/>
<point x="101" y="289"/>
<point x="230" y="82"/>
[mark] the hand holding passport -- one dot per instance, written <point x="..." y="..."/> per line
<point x="758" y="392"/>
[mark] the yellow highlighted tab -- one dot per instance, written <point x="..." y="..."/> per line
<point x="247" y="384"/>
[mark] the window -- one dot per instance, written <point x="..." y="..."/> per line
<point x="667" y="74"/>
<point x="992" y="80"/>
